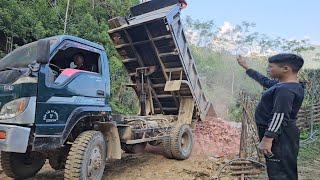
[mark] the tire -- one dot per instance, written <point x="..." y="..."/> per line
<point x="87" y="157"/>
<point x="166" y="148"/>
<point x="57" y="162"/>
<point x="181" y="142"/>
<point x="21" y="165"/>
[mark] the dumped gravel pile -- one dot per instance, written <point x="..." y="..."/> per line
<point x="216" y="137"/>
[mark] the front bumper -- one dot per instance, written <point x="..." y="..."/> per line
<point x="16" y="138"/>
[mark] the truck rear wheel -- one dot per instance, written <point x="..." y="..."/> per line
<point x="167" y="148"/>
<point x="21" y="165"/>
<point x="87" y="156"/>
<point x="179" y="145"/>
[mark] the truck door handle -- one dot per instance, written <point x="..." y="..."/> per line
<point x="100" y="93"/>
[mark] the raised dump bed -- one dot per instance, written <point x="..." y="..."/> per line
<point x="152" y="42"/>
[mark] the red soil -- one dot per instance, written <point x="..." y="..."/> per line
<point x="216" y="137"/>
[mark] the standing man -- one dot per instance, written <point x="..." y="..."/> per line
<point x="276" y="114"/>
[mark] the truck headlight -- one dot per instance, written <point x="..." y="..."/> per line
<point x="14" y="108"/>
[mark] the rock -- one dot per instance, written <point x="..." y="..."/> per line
<point x="216" y="137"/>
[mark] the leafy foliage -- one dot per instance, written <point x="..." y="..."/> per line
<point x="25" y="21"/>
<point x="213" y="49"/>
<point x="240" y="39"/>
<point x="309" y="151"/>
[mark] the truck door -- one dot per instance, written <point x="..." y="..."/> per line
<point x="64" y="91"/>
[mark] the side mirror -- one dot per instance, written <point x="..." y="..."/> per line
<point x="43" y="51"/>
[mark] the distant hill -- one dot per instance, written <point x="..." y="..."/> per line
<point x="309" y="56"/>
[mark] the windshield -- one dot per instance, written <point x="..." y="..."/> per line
<point x="22" y="56"/>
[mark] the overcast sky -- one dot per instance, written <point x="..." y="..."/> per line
<point x="286" y="18"/>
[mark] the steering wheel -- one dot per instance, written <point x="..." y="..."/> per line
<point x="56" y="68"/>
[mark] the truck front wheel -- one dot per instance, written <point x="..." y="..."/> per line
<point x="87" y="156"/>
<point x="21" y="165"/>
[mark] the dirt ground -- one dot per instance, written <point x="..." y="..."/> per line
<point x="309" y="169"/>
<point x="155" y="166"/>
<point x="146" y="166"/>
<point x="215" y="143"/>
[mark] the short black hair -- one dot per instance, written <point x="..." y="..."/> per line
<point x="81" y="55"/>
<point x="294" y="61"/>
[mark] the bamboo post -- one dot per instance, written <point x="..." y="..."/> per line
<point x="243" y="142"/>
<point x="311" y="138"/>
<point x="232" y="85"/>
<point x="66" y="18"/>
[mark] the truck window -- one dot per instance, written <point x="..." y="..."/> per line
<point x="22" y="56"/>
<point x="73" y="60"/>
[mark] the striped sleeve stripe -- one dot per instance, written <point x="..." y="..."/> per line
<point x="280" y="122"/>
<point x="275" y="117"/>
<point x="276" y="122"/>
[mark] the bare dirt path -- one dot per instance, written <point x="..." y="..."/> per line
<point x="144" y="166"/>
<point x="155" y="166"/>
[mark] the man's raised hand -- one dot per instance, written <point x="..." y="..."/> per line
<point x="242" y="62"/>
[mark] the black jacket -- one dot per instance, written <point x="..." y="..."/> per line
<point x="279" y="104"/>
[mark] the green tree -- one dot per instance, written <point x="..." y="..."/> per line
<point x="221" y="76"/>
<point x="317" y="57"/>
<point x="25" y="21"/>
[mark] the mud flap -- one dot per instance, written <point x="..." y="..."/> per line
<point x="110" y="131"/>
<point x="186" y="110"/>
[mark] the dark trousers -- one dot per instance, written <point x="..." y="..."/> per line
<point x="283" y="165"/>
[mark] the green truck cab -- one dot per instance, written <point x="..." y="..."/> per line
<point x="46" y="103"/>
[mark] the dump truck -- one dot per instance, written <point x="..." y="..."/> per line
<point x="51" y="110"/>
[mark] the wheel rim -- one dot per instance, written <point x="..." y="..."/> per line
<point x="95" y="163"/>
<point x="185" y="142"/>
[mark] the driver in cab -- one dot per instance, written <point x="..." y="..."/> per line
<point x="79" y="61"/>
